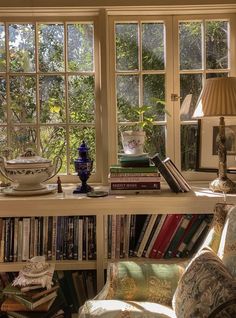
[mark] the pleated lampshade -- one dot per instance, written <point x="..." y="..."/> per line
<point x="218" y="98"/>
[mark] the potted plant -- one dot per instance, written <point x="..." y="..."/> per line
<point x="133" y="140"/>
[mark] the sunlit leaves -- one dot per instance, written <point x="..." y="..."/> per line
<point x="23" y="99"/>
<point x="51" y="47"/>
<point x="80" y="47"/>
<point x="22" y="138"/>
<point x="3" y="100"/>
<point x="81" y="99"/>
<point x="22" y="47"/>
<point x="2" y="49"/>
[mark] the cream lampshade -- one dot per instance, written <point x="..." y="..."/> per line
<point x="218" y="99"/>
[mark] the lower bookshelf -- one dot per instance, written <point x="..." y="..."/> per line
<point x="198" y="201"/>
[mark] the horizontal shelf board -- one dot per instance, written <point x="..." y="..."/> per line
<point x="59" y="265"/>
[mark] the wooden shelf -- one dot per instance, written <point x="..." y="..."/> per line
<point x="199" y="200"/>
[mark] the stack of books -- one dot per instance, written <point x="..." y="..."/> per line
<point x="31" y="301"/>
<point x="134" y="175"/>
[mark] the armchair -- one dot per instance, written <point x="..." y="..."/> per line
<point x="180" y="289"/>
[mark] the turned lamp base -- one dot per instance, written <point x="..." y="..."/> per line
<point x="224" y="185"/>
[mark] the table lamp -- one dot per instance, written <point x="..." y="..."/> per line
<point x="218" y="99"/>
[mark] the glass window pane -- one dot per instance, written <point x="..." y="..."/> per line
<point x="127" y="88"/>
<point x="53" y="143"/>
<point x="80" y="47"/>
<point x="190" y="88"/>
<point x="154" y="95"/>
<point x="22" y="47"/>
<point x="217" y="44"/>
<point x="188" y="147"/>
<point x="3" y="138"/>
<point x="76" y="137"/>
<point x="81" y="99"/>
<point x="2" y="49"/>
<point x="126" y="46"/>
<point x="3" y="100"/>
<point x="51" y="47"/>
<point x="190" y="45"/>
<point x="212" y="75"/>
<point x="52" y="99"/>
<point x="23" y="99"/>
<point x="153" y="46"/>
<point x="22" y="138"/>
<point x="156" y="140"/>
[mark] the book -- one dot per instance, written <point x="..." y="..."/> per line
<point x="33" y="303"/>
<point x="137" y="191"/>
<point x="191" y="229"/>
<point x="135" y="179"/>
<point x="158" y="226"/>
<point x="150" y="233"/>
<point x="145" y="224"/>
<point x="11" y="304"/>
<point x="133" y="174"/>
<point x="135" y="185"/>
<point x="178" y="236"/>
<point x="165" y="235"/>
<point x="177" y="174"/>
<point x="118" y="168"/>
<point x="173" y="184"/>
<point x="134" y="161"/>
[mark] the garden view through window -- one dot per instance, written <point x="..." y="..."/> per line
<point x="49" y="84"/>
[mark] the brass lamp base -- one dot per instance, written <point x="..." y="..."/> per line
<point x="224" y="185"/>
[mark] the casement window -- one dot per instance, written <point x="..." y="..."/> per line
<point x="48" y="80"/>
<point x="71" y="79"/>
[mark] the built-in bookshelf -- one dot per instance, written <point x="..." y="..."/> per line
<point x="199" y="200"/>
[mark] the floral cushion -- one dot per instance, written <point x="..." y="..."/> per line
<point x="205" y="285"/>
<point x="124" y="309"/>
<point x="227" y="249"/>
<point x="213" y="237"/>
<point x="143" y="281"/>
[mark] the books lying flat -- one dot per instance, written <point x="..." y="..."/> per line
<point x="11" y="304"/>
<point x="135" y="185"/>
<point x="137" y="191"/>
<point x="118" y="168"/>
<point x="33" y="303"/>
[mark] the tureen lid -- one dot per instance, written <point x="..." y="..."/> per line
<point x="29" y="157"/>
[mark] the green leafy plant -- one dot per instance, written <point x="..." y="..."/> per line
<point x="146" y="117"/>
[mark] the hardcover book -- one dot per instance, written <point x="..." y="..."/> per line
<point x="118" y="168"/>
<point x="174" y="186"/>
<point x="166" y="233"/>
<point x="11" y="304"/>
<point x="135" y="185"/>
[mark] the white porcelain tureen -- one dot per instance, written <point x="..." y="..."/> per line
<point x="29" y="171"/>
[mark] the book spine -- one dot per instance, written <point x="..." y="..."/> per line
<point x="32" y="230"/>
<point x="132" y="235"/>
<point x="2" y="241"/>
<point x="178" y="236"/>
<point x="122" y="236"/>
<point x="178" y="173"/>
<point x="70" y="238"/>
<point x="91" y="238"/>
<point x="134" y="179"/>
<point x="16" y="224"/>
<point x="146" y="235"/>
<point x="147" y="220"/>
<point x="113" y="237"/>
<point x="49" y="238"/>
<point x="133" y="174"/>
<point x="168" y="233"/>
<point x="166" y="174"/>
<point x="54" y="237"/>
<point x="105" y="222"/>
<point x="126" y="235"/>
<point x="20" y="240"/>
<point x="109" y="238"/>
<point x="36" y="235"/>
<point x="65" y="238"/>
<point x="11" y="242"/>
<point x="75" y="236"/>
<point x="118" y="169"/>
<point x="117" y="250"/>
<point x="45" y="236"/>
<point x="58" y="243"/>
<point x="7" y="241"/>
<point x="134" y="185"/>
<point x="25" y="239"/>
<point x="155" y="235"/>
<point x="80" y="239"/>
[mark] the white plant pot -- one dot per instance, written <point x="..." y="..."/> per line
<point x="133" y="142"/>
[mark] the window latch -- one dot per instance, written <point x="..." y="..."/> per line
<point x="175" y="97"/>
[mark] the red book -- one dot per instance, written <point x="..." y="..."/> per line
<point x="166" y="233"/>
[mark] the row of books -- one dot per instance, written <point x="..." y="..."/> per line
<point x="154" y="235"/>
<point x="134" y="179"/>
<point x="71" y="290"/>
<point x="55" y="237"/>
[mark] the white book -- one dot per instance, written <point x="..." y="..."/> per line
<point x="158" y="228"/>
<point x="146" y="234"/>
<point x="25" y="239"/>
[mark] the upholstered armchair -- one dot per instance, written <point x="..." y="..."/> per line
<point x="204" y="286"/>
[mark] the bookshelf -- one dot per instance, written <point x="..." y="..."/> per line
<point x="198" y="200"/>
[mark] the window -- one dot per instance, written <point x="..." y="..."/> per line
<point x="66" y="79"/>
<point x="48" y="85"/>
